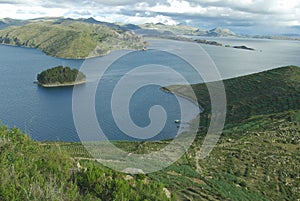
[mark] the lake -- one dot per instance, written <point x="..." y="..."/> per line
<point x="268" y="54"/>
<point x="46" y="114"/>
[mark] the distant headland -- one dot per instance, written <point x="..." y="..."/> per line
<point x="60" y="76"/>
<point x="70" y="38"/>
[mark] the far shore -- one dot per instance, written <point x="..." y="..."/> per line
<point x="67" y="84"/>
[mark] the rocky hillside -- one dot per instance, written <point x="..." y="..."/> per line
<point x="220" y="32"/>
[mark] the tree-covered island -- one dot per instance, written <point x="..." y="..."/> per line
<point x="60" y="76"/>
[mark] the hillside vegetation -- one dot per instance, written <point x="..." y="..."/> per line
<point x="266" y="92"/>
<point x="59" y="75"/>
<point x="31" y="171"/>
<point x="256" y="160"/>
<point x="70" y="39"/>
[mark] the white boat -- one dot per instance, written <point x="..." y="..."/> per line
<point x="177" y="121"/>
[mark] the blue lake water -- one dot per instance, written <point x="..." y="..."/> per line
<point x="268" y="54"/>
<point x="46" y="114"/>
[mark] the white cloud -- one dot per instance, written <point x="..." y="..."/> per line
<point x="234" y="13"/>
<point x="28" y="12"/>
<point x="177" y="6"/>
<point x="136" y="19"/>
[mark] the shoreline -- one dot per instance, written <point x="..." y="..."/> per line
<point x="69" y="84"/>
<point x="195" y="102"/>
<point x="77" y="58"/>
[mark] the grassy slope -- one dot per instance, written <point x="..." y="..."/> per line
<point x="267" y="92"/>
<point x="70" y="39"/>
<point x="257" y="160"/>
<point x="33" y="171"/>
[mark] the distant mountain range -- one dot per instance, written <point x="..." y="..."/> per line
<point x="81" y="38"/>
<point x="150" y="29"/>
<point x="7" y="22"/>
<point x="161" y="29"/>
<point x="220" y="32"/>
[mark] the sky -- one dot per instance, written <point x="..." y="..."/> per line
<point x="241" y="16"/>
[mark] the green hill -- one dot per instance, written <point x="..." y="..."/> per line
<point x="258" y="159"/>
<point x="60" y="76"/>
<point x="255" y="160"/>
<point x="266" y="92"/>
<point x="70" y="39"/>
<point x="33" y="171"/>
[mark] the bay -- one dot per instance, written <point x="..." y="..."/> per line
<point x="46" y="114"/>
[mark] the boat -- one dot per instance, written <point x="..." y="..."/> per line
<point x="177" y="121"/>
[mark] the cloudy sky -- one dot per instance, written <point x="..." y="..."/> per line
<point x="242" y="16"/>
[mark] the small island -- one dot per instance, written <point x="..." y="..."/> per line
<point x="60" y="76"/>
<point x="207" y="42"/>
<point x="243" y="47"/>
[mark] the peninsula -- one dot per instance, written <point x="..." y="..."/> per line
<point x="60" y="76"/>
<point x="71" y="39"/>
<point x="244" y="94"/>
